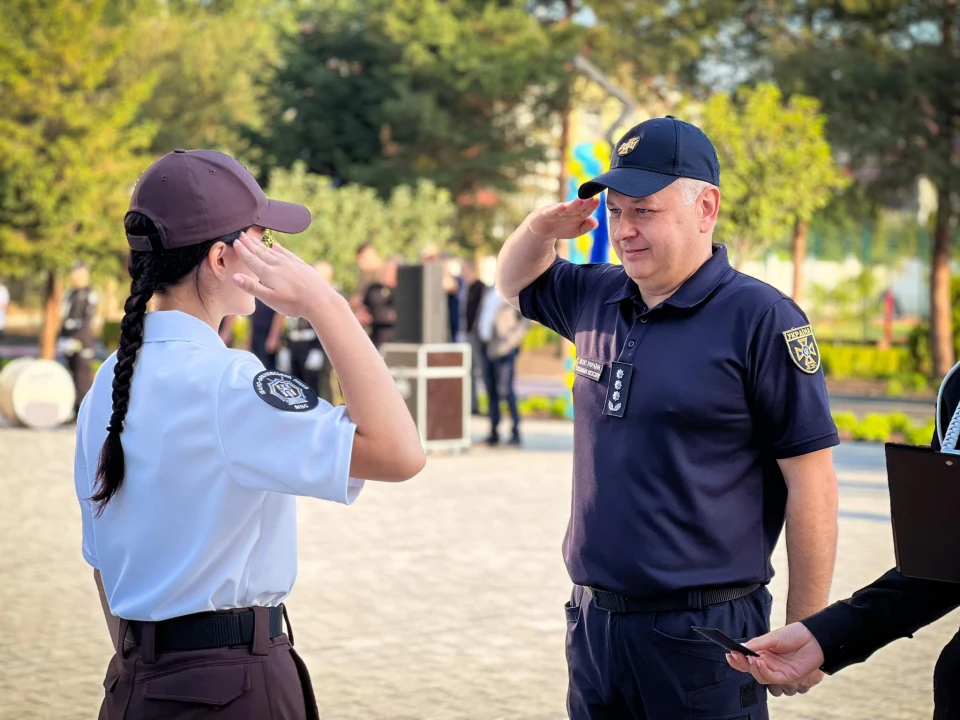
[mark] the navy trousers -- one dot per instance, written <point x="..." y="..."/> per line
<point x="652" y="666"/>
<point x="499" y="374"/>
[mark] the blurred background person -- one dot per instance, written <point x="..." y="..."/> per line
<point x="501" y="330"/>
<point x="76" y="331"/>
<point x="470" y="296"/>
<point x="369" y="267"/>
<point x="452" y="283"/>
<point x="308" y="360"/>
<point x="266" y="326"/>
<point x="378" y="303"/>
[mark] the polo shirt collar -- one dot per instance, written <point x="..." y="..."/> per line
<point x="173" y="325"/>
<point x="694" y="290"/>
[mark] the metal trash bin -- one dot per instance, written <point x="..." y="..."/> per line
<point x="434" y="379"/>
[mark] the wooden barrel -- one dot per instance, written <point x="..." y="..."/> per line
<point x="36" y="393"/>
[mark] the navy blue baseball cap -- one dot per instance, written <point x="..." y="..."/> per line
<point x="652" y="155"/>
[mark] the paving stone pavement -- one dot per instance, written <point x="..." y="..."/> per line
<point x="440" y="598"/>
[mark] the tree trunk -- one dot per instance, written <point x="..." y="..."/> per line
<point x="53" y="297"/>
<point x="799" y="255"/>
<point x="941" y="326"/>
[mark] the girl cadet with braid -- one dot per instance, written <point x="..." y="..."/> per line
<point x="190" y="454"/>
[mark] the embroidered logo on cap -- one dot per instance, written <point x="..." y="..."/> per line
<point x="803" y="349"/>
<point x="628" y="147"/>
<point x="284" y="391"/>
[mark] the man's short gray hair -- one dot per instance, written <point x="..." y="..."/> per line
<point x="690" y="189"/>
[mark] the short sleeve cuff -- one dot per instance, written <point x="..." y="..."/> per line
<point x="807" y="446"/>
<point x="353" y="486"/>
<point x="526" y="301"/>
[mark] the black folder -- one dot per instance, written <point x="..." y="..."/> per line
<point x="925" y="509"/>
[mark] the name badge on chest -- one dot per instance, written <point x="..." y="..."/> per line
<point x="618" y="389"/>
<point x="588" y="368"/>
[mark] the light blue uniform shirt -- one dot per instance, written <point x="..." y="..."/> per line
<point x="206" y="516"/>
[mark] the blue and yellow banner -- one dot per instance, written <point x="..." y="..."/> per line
<point x="586" y="161"/>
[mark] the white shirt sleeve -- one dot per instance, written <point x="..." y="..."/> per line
<point x="290" y="451"/>
<point x="84" y="490"/>
<point x="488" y="310"/>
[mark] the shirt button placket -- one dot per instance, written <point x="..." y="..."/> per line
<point x="634" y="338"/>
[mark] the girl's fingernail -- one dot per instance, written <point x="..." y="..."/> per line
<point x="238" y="280"/>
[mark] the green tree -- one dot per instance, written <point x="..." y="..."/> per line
<point x="886" y="74"/>
<point x="776" y="167"/>
<point x="345" y="217"/>
<point x="69" y="141"/>
<point x="214" y="63"/>
<point x="462" y="93"/>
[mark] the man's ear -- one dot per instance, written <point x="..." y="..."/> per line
<point x="709" y="208"/>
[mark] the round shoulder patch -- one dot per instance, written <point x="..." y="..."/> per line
<point x="285" y="392"/>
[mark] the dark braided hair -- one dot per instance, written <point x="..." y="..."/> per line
<point x="151" y="273"/>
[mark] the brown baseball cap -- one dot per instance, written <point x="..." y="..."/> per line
<point x="193" y="196"/>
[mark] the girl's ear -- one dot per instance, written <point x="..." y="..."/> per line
<point x="216" y="259"/>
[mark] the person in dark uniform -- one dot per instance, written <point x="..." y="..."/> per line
<point x="472" y="294"/>
<point x="308" y="361"/>
<point x="265" y="328"/>
<point x="76" y="332"/>
<point x="850" y="631"/>
<point x="378" y="302"/>
<point x="190" y="454"/>
<point x="701" y="427"/>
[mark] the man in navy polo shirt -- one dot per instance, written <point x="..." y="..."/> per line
<point x="701" y="426"/>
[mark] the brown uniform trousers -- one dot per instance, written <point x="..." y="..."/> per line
<point x="264" y="680"/>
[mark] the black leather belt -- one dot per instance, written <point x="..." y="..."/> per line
<point x="688" y="600"/>
<point x="205" y="631"/>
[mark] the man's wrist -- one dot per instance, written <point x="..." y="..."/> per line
<point x="797" y="612"/>
<point x="534" y="236"/>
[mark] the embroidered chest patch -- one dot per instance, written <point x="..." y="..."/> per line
<point x="588" y="368"/>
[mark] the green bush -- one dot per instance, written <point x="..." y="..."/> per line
<point x="921" y="434"/>
<point x="535" y="405"/>
<point x="110" y="335"/>
<point x="873" y="428"/>
<point x="918" y="343"/>
<point x="899" y="422"/>
<point x="242" y="330"/>
<point x="895" y="387"/>
<point x="845" y="421"/>
<point x="844" y="362"/>
<point x="880" y="428"/>
<point x="538" y="337"/>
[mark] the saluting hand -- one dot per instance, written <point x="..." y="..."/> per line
<point x="789" y="660"/>
<point x="564" y="220"/>
<point x="286" y="283"/>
